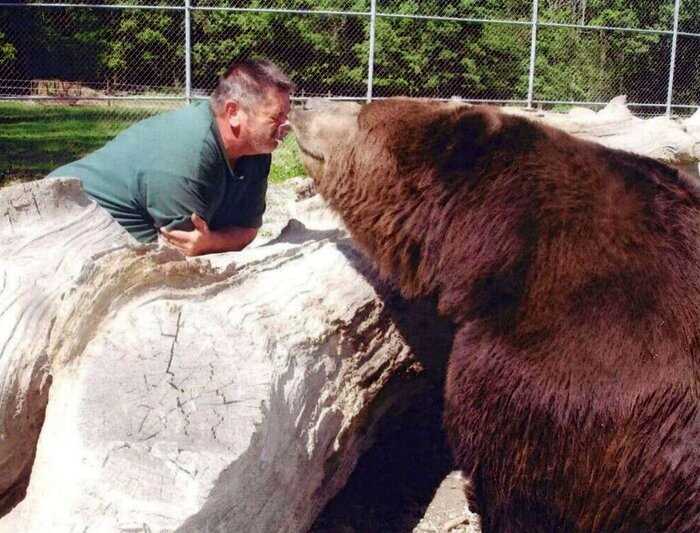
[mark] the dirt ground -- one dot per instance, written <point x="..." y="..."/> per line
<point x="448" y="512"/>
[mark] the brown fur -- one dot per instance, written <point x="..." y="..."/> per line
<point x="573" y="274"/>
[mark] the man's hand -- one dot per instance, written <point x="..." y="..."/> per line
<point x="201" y="240"/>
<point x="195" y="242"/>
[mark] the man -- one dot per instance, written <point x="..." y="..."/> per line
<point x="197" y="175"/>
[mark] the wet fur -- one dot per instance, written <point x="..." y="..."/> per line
<point x="573" y="274"/>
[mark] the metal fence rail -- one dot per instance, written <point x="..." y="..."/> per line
<point x="528" y="52"/>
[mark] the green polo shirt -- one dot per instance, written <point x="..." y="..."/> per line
<point x="160" y="170"/>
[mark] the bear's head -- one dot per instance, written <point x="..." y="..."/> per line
<point x="393" y="169"/>
<point x="323" y="129"/>
<point x="423" y="134"/>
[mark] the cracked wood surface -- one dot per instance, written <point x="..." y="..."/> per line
<point x="36" y="274"/>
<point x="229" y="393"/>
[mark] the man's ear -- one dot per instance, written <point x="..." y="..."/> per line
<point x="232" y="112"/>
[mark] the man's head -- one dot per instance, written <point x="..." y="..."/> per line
<point x="251" y="104"/>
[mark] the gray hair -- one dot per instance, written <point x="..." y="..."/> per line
<point x="245" y="81"/>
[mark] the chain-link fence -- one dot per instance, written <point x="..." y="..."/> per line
<point x="131" y="57"/>
<point x="524" y="51"/>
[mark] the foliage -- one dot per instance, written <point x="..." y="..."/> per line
<point x="147" y="49"/>
<point x="7" y="50"/>
<point x="327" y="53"/>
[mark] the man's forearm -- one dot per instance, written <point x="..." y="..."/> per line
<point x="201" y="240"/>
<point x="230" y="239"/>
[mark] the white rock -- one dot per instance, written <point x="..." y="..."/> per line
<point x="658" y="137"/>
<point x="582" y="114"/>
<point x="673" y="141"/>
<point x="692" y="127"/>
<point x="616" y="110"/>
<point x="694" y="119"/>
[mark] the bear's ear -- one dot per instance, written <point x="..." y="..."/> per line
<point x="464" y="136"/>
<point x="423" y="134"/>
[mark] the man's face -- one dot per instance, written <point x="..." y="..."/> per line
<point x="263" y="125"/>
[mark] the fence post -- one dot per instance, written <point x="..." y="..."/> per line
<point x="672" y="66"/>
<point x="188" y="58"/>
<point x="372" y="29"/>
<point x="533" y="53"/>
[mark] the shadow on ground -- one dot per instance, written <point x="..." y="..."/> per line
<point x="395" y="480"/>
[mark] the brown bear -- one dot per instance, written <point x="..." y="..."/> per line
<point x="572" y="272"/>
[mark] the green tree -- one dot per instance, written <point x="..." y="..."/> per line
<point x="8" y="52"/>
<point x="146" y="48"/>
<point x="449" y="57"/>
<point x="321" y="53"/>
<point x="687" y="72"/>
<point x="329" y="53"/>
<point x="590" y="65"/>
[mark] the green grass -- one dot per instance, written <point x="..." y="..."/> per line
<point x="37" y="138"/>
<point x="285" y="161"/>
